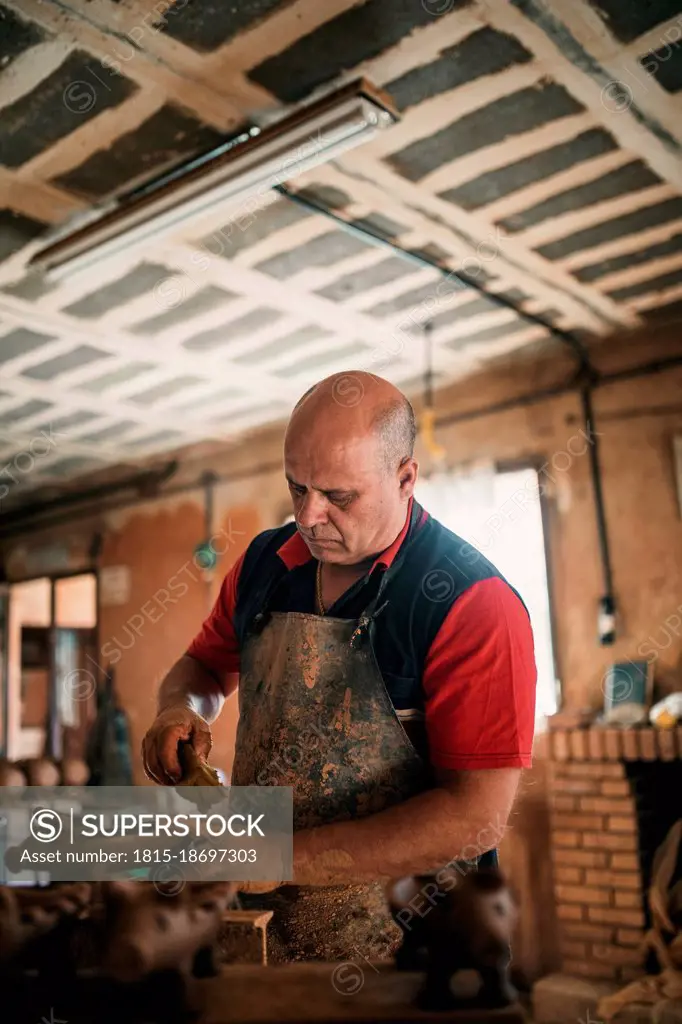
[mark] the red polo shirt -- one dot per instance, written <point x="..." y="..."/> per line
<point x="478" y="679"/>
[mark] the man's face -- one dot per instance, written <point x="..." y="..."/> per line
<point x="347" y="501"/>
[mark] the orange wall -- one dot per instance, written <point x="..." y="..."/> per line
<point x="170" y="594"/>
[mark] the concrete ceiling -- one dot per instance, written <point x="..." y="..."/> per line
<point x="539" y="151"/>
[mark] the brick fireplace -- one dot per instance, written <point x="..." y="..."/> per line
<point x="614" y="794"/>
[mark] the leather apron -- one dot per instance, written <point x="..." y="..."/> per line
<point x="314" y="714"/>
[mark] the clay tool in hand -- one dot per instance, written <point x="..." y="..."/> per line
<point x="196" y="771"/>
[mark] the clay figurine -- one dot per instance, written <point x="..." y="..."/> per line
<point x="29" y="918"/>
<point x="458" y="932"/>
<point x="11" y="774"/>
<point x="40" y="771"/>
<point x="148" y="931"/>
<point x="75" y="772"/>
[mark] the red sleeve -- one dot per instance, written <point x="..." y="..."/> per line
<point x="479" y="682"/>
<point x="216" y="646"/>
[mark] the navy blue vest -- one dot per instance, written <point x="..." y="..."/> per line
<point x="433" y="568"/>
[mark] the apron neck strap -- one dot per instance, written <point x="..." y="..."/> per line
<point x="379" y="601"/>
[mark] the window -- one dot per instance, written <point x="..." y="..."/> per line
<point x="500" y="513"/>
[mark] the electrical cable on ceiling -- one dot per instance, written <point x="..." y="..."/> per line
<point x="585" y="378"/>
<point x="465" y="280"/>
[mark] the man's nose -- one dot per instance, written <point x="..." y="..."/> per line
<point x="312" y="510"/>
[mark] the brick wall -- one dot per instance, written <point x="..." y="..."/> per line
<point x="597" y="878"/>
<point x="608" y="814"/>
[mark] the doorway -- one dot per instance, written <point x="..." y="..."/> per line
<point x="50" y="635"/>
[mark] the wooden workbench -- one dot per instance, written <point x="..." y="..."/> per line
<point x="306" y="993"/>
<point x="316" y="993"/>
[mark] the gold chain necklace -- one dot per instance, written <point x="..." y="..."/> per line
<point x="321" y="610"/>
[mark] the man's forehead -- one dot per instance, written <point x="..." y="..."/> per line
<point x="331" y="462"/>
<point x="330" y="446"/>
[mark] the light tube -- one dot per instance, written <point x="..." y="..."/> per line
<point x="234" y="179"/>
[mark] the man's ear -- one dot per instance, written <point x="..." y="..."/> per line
<point x="408" y="471"/>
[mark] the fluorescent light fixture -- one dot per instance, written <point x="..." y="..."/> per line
<point x="233" y="176"/>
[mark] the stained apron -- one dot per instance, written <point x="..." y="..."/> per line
<point x="314" y="714"/>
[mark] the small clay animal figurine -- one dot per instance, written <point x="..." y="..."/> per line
<point x="11" y="774"/>
<point x="458" y="932"/>
<point x="75" y="772"/>
<point x="40" y="771"/>
<point x="29" y="917"/>
<point x="148" y="931"/>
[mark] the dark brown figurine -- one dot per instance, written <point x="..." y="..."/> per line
<point x="31" y="918"/>
<point x="112" y="951"/>
<point x="148" y="931"/>
<point x="457" y="930"/>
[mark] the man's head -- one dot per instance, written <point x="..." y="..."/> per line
<point x="348" y="458"/>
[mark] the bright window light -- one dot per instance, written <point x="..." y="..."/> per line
<point x="500" y="514"/>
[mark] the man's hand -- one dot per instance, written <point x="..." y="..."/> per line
<point x="160" y="746"/>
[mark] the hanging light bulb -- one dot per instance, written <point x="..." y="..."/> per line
<point x="427" y="422"/>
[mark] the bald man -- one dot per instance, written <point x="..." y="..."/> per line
<point x="386" y="674"/>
